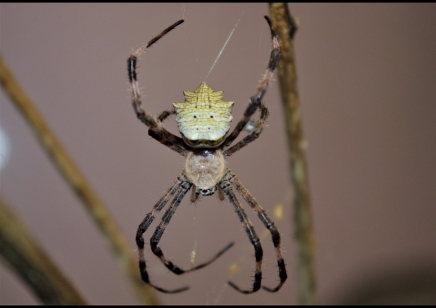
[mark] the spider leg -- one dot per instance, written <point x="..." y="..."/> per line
<point x="146" y="222"/>
<point x="157" y="235"/>
<point x="254" y="134"/>
<point x="268" y="223"/>
<point x="165" y="114"/>
<point x="156" y="130"/>
<point x="256" y="100"/>
<point x="249" y="229"/>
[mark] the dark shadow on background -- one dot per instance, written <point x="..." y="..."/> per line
<point x="413" y="283"/>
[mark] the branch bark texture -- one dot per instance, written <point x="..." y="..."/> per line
<point x="286" y="27"/>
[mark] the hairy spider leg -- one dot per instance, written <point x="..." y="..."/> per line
<point x="256" y="100"/>
<point x="156" y="130"/>
<point x="268" y="223"/>
<point x="258" y="128"/>
<point x="179" y="189"/>
<point x="182" y="185"/>
<point x="157" y="235"/>
<point x="249" y="229"/>
<point x="143" y="226"/>
<point x="165" y="114"/>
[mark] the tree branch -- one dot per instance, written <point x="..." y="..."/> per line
<point x="286" y="28"/>
<point x="71" y="173"/>
<point x="29" y="260"/>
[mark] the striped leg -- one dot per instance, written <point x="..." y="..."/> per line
<point x="157" y="235"/>
<point x="268" y="223"/>
<point x="254" y="239"/>
<point x="156" y="130"/>
<point x="144" y="226"/>
<point x="165" y="114"/>
<point x="254" y="135"/>
<point x="256" y="100"/>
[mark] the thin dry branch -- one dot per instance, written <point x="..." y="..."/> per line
<point x="29" y="260"/>
<point x="286" y="28"/>
<point x="71" y="173"/>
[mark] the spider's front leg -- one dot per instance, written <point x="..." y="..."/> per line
<point x="256" y="101"/>
<point x="156" y="130"/>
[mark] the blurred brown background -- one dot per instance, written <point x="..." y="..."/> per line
<point x="367" y="82"/>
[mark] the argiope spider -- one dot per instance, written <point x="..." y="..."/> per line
<point x="204" y="121"/>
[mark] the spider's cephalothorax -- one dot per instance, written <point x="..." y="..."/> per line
<point x="204" y="121"/>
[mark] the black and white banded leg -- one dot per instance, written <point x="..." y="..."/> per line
<point x="256" y="100"/>
<point x="156" y="130"/>
<point x="254" y="239"/>
<point x="268" y="223"/>
<point x="178" y="190"/>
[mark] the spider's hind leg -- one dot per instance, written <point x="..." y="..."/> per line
<point x="268" y="223"/>
<point x="146" y="222"/>
<point x="249" y="229"/>
<point x="157" y="235"/>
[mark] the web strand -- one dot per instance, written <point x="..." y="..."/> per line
<point x="225" y="44"/>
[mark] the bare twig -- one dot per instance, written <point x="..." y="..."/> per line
<point x="77" y="182"/>
<point x="27" y="257"/>
<point x="286" y="28"/>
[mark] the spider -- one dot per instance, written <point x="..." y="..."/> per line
<point x="204" y="120"/>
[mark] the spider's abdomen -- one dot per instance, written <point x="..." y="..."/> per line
<point x="203" y="118"/>
<point x="205" y="168"/>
